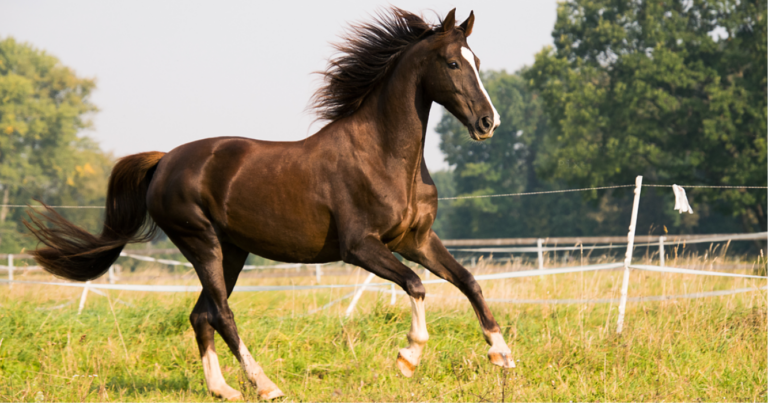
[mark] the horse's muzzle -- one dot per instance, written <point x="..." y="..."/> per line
<point x="482" y="129"/>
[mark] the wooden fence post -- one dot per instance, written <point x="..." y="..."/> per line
<point x="628" y="256"/>
<point x="661" y="250"/>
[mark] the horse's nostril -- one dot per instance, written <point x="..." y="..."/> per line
<point x="485" y="124"/>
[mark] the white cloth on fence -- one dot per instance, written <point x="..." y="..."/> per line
<point x="681" y="201"/>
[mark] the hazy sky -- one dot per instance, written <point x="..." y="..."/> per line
<point x="170" y="72"/>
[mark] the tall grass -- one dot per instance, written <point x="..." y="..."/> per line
<point x="140" y="346"/>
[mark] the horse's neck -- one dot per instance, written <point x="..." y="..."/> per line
<point x="396" y="113"/>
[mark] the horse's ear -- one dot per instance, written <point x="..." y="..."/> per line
<point x="467" y="25"/>
<point x="449" y="22"/>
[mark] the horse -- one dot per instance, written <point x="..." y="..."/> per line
<point x="356" y="191"/>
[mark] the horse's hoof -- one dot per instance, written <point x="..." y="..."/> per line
<point x="271" y="394"/>
<point x="502" y="359"/>
<point x="407" y="368"/>
<point x="229" y="394"/>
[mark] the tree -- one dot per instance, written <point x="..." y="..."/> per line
<point x="674" y="90"/>
<point x="517" y="159"/>
<point x="508" y="163"/>
<point x="43" y="108"/>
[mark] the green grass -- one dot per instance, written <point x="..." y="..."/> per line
<point x="708" y="349"/>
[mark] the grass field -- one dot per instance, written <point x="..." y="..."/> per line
<point x="140" y="347"/>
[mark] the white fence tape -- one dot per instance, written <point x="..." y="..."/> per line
<point x="526" y="249"/>
<point x="585" y="301"/>
<point x="481" y="277"/>
<point x="185" y="288"/>
<point x="629" y="299"/>
<point x="187" y="264"/>
<point x="666" y="269"/>
<point x="122" y="287"/>
<point x="534" y="273"/>
<point x="22" y="268"/>
<point x="669" y="240"/>
<point x="737" y="237"/>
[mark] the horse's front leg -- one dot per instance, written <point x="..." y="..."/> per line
<point x="408" y="358"/>
<point x="372" y="255"/>
<point x="433" y="255"/>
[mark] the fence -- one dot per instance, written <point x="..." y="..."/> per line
<point x="627" y="264"/>
<point x="580" y="243"/>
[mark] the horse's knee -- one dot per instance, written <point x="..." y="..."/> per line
<point x="198" y="320"/>
<point x="415" y="288"/>
<point x="221" y="318"/>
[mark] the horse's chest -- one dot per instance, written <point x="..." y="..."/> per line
<point x="413" y="226"/>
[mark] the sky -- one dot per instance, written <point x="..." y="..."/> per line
<point x="172" y="72"/>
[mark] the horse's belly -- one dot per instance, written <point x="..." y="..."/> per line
<point x="295" y="236"/>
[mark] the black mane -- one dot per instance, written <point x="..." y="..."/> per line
<point x="367" y="52"/>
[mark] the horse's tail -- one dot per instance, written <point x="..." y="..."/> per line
<point x="73" y="253"/>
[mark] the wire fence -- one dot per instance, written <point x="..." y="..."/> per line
<point x="477" y="196"/>
<point x="594" y="188"/>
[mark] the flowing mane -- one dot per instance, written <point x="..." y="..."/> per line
<point x="367" y="52"/>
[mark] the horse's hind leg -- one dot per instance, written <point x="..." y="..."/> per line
<point x="218" y="267"/>
<point x="234" y="259"/>
<point x="205" y="342"/>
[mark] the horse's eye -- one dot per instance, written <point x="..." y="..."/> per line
<point x="453" y="65"/>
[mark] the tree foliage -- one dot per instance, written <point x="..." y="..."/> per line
<point x="511" y="162"/>
<point x="673" y="90"/>
<point x="44" y="106"/>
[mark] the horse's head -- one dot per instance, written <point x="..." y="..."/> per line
<point x="452" y="78"/>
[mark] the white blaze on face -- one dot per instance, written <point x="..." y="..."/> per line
<point x="471" y="59"/>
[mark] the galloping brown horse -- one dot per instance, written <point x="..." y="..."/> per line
<point x="355" y="191"/>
